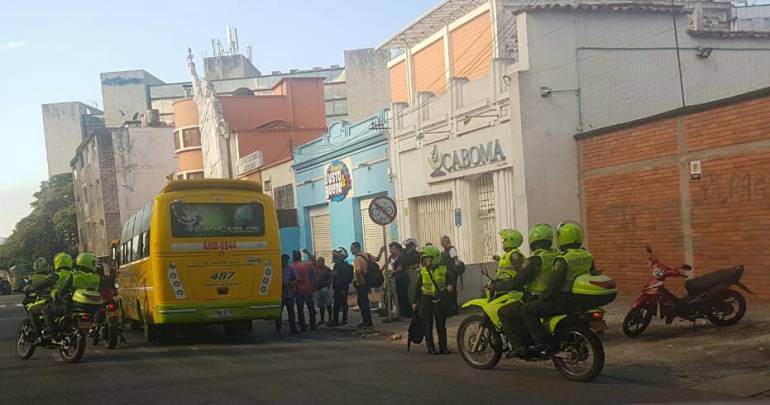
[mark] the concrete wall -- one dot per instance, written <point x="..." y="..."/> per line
<point x="228" y="67"/>
<point x="367" y="82"/>
<point x="279" y="175"/>
<point x="754" y="18"/>
<point x="289" y="239"/>
<point x="143" y="159"/>
<point x="127" y="92"/>
<point x="63" y="128"/>
<point x="626" y="68"/>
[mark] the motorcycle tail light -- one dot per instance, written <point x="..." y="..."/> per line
<point x="85" y="317"/>
<point x="604" y="284"/>
<point x="597" y="316"/>
<point x="111" y="307"/>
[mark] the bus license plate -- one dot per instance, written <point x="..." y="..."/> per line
<point x="223" y="313"/>
<point x="599" y="326"/>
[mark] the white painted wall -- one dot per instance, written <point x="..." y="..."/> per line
<point x="125" y="91"/>
<point x="143" y="158"/>
<point x="63" y="129"/>
<point x="279" y="175"/>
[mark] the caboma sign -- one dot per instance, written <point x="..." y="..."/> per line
<point x="461" y="159"/>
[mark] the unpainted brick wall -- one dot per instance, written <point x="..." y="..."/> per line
<point x="631" y="194"/>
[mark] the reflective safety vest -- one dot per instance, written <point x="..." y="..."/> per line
<point x="440" y="274"/>
<point x="505" y="268"/>
<point x="547" y="257"/>
<point x="85" y="280"/>
<point x="579" y="262"/>
<point x="61" y="282"/>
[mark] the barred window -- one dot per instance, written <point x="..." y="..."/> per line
<point x="284" y="197"/>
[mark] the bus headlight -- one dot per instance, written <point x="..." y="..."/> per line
<point x="175" y="281"/>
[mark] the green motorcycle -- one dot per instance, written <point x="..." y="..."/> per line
<point x="481" y="341"/>
<point x="73" y="326"/>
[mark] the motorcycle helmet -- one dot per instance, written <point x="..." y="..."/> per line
<point x="511" y="238"/>
<point x="541" y="233"/>
<point x="432" y="252"/>
<point x="40" y="265"/>
<point x="86" y="262"/>
<point x="569" y="233"/>
<point x="62" y="261"/>
<point x="341" y="253"/>
<point x="410" y="243"/>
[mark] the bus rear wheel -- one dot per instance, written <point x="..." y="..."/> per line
<point x="238" y="328"/>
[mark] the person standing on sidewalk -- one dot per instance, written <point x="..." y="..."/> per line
<point x="360" y="267"/>
<point x="322" y="285"/>
<point x="456" y="268"/>
<point x="400" y="278"/>
<point x="304" y="293"/>
<point x="431" y="297"/>
<point x="288" y="284"/>
<point x="342" y="276"/>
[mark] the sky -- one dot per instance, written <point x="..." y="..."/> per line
<point x="53" y="51"/>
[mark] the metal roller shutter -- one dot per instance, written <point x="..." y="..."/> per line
<point x="372" y="232"/>
<point x="321" y="232"/>
<point x="435" y="218"/>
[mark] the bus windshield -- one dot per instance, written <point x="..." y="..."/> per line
<point x="196" y="220"/>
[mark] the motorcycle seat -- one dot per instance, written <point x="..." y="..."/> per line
<point x="700" y="284"/>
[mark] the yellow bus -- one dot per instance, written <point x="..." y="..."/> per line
<point x="203" y="251"/>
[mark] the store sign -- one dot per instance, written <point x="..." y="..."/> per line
<point x="250" y="162"/>
<point x="338" y="181"/>
<point x="451" y="161"/>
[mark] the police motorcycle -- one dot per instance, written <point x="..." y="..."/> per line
<point x="73" y="324"/>
<point x="481" y="341"/>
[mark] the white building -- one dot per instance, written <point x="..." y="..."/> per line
<point x="489" y="94"/>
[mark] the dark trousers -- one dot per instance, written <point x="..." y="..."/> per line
<point x="402" y="293"/>
<point x="513" y="324"/>
<point x="429" y="311"/>
<point x="363" y="305"/>
<point x="287" y="303"/>
<point x="302" y="301"/>
<point x="340" y="305"/>
<point x="533" y="312"/>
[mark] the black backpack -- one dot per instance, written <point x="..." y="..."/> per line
<point x="373" y="276"/>
<point x="416" y="332"/>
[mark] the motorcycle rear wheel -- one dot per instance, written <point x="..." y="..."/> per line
<point x="24" y="340"/>
<point x="74" y="345"/>
<point x="112" y="333"/>
<point x="488" y="354"/>
<point x="581" y="354"/>
<point x="636" y="321"/>
<point x="729" y="310"/>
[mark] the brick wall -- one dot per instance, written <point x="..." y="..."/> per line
<point x="636" y="189"/>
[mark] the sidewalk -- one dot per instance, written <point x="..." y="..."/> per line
<point x="705" y="357"/>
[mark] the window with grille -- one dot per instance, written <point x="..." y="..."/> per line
<point x="486" y="192"/>
<point x="191" y="137"/>
<point x="284" y="197"/>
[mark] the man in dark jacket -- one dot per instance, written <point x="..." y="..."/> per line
<point x="451" y="260"/>
<point x="342" y="276"/>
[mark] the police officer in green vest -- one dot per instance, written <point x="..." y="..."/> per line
<point x="85" y="275"/>
<point x="51" y="290"/>
<point x="432" y="298"/>
<point x="512" y="259"/>
<point x="535" y="267"/>
<point x="40" y="267"/>
<point x="554" y="288"/>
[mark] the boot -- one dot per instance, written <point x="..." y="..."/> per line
<point x="431" y="348"/>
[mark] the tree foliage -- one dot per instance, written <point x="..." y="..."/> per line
<point x="51" y="227"/>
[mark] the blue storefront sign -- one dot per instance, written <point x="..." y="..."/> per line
<point x="336" y="176"/>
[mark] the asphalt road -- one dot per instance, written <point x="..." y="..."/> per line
<point x="320" y="367"/>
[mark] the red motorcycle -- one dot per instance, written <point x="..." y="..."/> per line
<point x="108" y="325"/>
<point x="708" y="296"/>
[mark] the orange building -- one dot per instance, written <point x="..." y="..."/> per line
<point x="292" y="114"/>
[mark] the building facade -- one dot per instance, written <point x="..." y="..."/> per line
<point x="691" y="182"/>
<point x="488" y="95"/>
<point x="64" y="126"/>
<point x="278" y="182"/>
<point x="263" y="128"/>
<point x="116" y="172"/>
<point x="336" y="178"/>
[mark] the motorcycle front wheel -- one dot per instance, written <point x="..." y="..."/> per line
<point x="73" y="345"/>
<point x="581" y="354"/>
<point x="636" y="321"/>
<point x="472" y="332"/>
<point x="25" y="340"/>
<point x="729" y="310"/>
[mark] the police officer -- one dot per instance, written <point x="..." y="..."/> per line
<point x="537" y="267"/>
<point x="50" y="291"/>
<point x="556" y="285"/>
<point x="432" y="298"/>
<point x="40" y="267"/>
<point x="85" y="275"/>
<point x="512" y="259"/>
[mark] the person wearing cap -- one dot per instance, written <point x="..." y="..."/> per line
<point x="342" y="276"/>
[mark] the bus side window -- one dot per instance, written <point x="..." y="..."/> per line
<point x="146" y="244"/>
